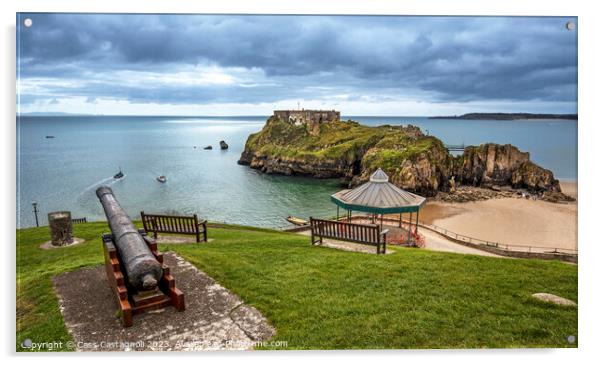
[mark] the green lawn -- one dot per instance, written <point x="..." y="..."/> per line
<point x="321" y="298"/>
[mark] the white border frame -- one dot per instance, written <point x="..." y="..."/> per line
<point x="589" y="172"/>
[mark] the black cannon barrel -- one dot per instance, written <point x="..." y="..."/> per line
<point x="143" y="271"/>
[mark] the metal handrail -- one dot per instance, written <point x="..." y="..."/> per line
<point x="478" y="241"/>
<point x="503" y="246"/>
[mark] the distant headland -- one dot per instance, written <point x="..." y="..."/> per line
<point x="509" y="116"/>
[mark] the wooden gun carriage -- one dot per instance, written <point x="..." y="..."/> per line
<point x="135" y="269"/>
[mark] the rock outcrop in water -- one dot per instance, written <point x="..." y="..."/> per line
<point x="413" y="161"/>
<point x="492" y="164"/>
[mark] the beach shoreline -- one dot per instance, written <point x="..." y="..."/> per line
<point x="513" y="221"/>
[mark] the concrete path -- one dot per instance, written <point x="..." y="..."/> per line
<point x="436" y="242"/>
<point x="214" y="319"/>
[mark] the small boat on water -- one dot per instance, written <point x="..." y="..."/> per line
<point x="118" y="175"/>
<point x="162" y="179"/>
<point x="49" y="137"/>
<point x="297" y="221"/>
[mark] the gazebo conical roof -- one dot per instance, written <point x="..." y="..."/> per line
<point x="378" y="196"/>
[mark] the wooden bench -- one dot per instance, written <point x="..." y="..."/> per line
<point x="79" y="220"/>
<point x="157" y="223"/>
<point x="367" y="234"/>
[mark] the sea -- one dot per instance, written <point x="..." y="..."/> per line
<point x="62" y="173"/>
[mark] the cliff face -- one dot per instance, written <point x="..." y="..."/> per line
<point x="335" y="149"/>
<point x="413" y="161"/>
<point x="532" y="177"/>
<point x="489" y="164"/>
<point x="492" y="164"/>
<point x="422" y="165"/>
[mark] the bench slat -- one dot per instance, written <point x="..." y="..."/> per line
<point x="359" y="233"/>
<point x="158" y="223"/>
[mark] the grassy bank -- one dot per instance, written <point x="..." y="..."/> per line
<point x="321" y="298"/>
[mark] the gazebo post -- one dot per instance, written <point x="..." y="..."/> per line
<point x="416" y="230"/>
<point x="400" y="219"/>
<point x="410" y="228"/>
<point x="337" y="213"/>
<point x="381" y="221"/>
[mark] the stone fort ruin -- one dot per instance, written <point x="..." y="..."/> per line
<point x="311" y="118"/>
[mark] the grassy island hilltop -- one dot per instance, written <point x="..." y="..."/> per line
<point x="414" y="161"/>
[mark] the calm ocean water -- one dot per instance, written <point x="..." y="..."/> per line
<point x="63" y="173"/>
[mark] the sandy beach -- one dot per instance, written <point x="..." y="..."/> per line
<point x="510" y="220"/>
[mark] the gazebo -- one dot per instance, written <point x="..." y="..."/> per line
<point x="379" y="196"/>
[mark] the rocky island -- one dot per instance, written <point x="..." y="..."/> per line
<point x="317" y="143"/>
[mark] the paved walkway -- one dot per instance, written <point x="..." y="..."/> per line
<point x="436" y="242"/>
<point x="214" y="319"/>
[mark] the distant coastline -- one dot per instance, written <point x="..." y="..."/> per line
<point x="509" y="116"/>
<point x="469" y="116"/>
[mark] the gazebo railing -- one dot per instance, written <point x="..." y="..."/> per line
<point x="408" y="236"/>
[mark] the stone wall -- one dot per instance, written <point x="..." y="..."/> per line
<point x="311" y="118"/>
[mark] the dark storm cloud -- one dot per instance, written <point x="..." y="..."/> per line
<point x="449" y="59"/>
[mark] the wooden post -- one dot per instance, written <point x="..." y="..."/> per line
<point x="381" y="221"/>
<point x="196" y="227"/>
<point x="337" y="213"/>
<point x="400" y="219"/>
<point x="311" y="225"/>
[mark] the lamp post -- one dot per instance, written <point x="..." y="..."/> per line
<point x="35" y="212"/>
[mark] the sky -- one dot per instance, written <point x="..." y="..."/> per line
<point x="127" y="64"/>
